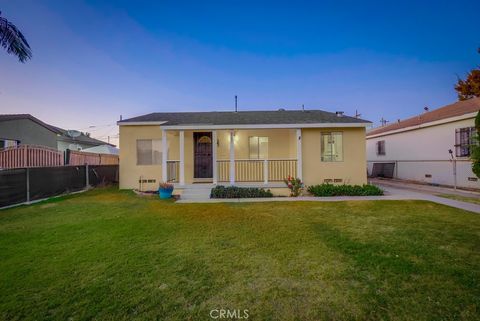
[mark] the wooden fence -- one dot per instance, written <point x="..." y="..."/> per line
<point x="30" y="156"/>
<point x="82" y="158"/>
<point x="24" y="156"/>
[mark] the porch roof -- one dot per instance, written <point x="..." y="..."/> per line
<point x="309" y="118"/>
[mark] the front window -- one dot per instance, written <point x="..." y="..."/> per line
<point x="149" y="152"/>
<point x="258" y="147"/>
<point x="332" y="147"/>
<point x="464" y="139"/>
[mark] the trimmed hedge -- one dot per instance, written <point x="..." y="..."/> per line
<point x="345" y="190"/>
<point x="239" y="192"/>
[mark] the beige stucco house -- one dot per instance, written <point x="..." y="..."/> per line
<point x="248" y="148"/>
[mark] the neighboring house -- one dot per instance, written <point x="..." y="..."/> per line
<point x="248" y="148"/>
<point x="16" y="129"/>
<point x="417" y="148"/>
<point x="102" y="149"/>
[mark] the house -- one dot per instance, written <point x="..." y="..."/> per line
<point x="418" y="148"/>
<point x="16" y="129"/>
<point x="246" y="148"/>
<point x="102" y="149"/>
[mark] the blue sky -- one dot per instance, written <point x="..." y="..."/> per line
<point x="96" y="60"/>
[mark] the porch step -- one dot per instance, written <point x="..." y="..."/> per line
<point x="196" y="193"/>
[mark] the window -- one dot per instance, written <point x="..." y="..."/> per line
<point x="463" y="141"/>
<point x="258" y="147"/>
<point x="149" y="151"/>
<point x="381" y="147"/>
<point x="4" y="143"/>
<point x="332" y="147"/>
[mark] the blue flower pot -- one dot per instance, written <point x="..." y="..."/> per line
<point x="165" y="193"/>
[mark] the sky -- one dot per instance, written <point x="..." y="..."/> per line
<point x="96" y="60"/>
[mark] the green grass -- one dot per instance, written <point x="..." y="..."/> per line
<point x="110" y="255"/>
<point x="474" y="200"/>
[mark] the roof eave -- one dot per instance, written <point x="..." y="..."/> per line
<point x="247" y="126"/>
<point x="420" y="126"/>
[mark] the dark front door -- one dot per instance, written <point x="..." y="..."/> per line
<point x="202" y="150"/>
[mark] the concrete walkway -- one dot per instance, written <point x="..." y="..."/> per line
<point x="391" y="193"/>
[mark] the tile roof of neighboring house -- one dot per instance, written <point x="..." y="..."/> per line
<point x="453" y="110"/>
<point x="245" y="118"/>
<point x="57" y="130"/>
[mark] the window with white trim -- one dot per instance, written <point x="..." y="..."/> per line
<point x="332" y="147"/>
<point x="258" y="147"/>
<point x="149" y="152"/>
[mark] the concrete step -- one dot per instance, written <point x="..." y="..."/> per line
<point x="196" y="193"/>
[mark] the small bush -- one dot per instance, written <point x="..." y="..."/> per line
<point x="345" y="190"/>
<point x="239" y="192"/>
<point x="295" y="185"/>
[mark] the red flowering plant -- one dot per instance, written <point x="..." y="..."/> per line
<point x="295" y="185"/>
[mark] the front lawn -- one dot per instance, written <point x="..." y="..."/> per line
<point x="110" y="255"/>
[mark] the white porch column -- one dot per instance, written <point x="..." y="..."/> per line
<point x="299" y="154"/>
<point x="164" y="155"/>
<point x="265" y="171"/>
<point x="182" y="157"/>
<point x="232" y="157"/>
<point x="214" y="156"/>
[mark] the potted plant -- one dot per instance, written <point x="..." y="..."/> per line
<point x="165" y="190"/>
<point x="295" y="185"/>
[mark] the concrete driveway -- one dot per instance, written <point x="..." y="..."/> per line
<point x="400" y="189"/>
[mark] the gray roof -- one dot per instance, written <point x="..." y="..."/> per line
<point x="57" y="130"/>
<point x="245" y="118"/>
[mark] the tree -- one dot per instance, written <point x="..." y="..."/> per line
<point x="12" y="40"/>
<point x="475" y="148"/>
<point x="470" y="87"/>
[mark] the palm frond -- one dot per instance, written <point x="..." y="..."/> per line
<point x="13" y="40"/>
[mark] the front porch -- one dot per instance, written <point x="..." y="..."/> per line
<point x="241" y="157"/>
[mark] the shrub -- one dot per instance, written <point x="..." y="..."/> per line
<point x="344" y="190"/>
<point x="295" y="185"/>
<point x="239" y="192"/>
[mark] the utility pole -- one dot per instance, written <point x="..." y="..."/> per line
<point x="453" y="159"/>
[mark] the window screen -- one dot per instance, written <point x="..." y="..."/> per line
<point x="258" y="147"/>
<point x="332" y="147"/>
<point x="149" y="151"/>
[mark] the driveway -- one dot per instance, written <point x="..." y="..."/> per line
<point x="400" y="189"/>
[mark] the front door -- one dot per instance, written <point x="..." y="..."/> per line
<point x="202" y="150"/>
